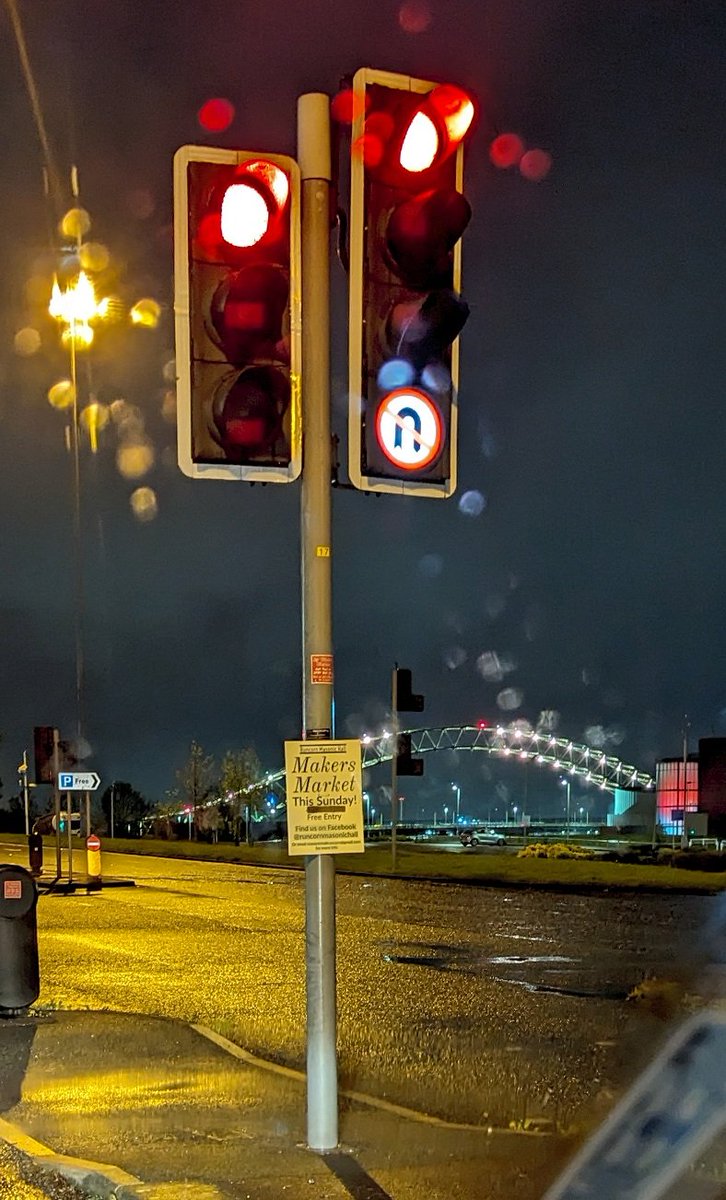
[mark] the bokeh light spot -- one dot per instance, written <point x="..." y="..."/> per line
<point x="216" y="115"/>
<point x="397" y="372"/>
<point x="143" y="503"/>
<point x="61" y="394"/>
<point x="135" y="459"/>
<point x="535" y="165"/>
<point x="506" y="150"/>
<point x="493" y="666"/>
<point x="472" y="504"/>
<point x="346" y="106"/>
<point x="146" y="313"/>
<point x="26" y="342"/>
<point x="168" y="371"/>
<point x="414" y="16"/>
<point x="510" y="698"/>
<point x="76" y="223"/>
<point x="93" y="256"/>
<point x="168" y="407"/>
<point x="455" y="657"/>
<point x="93" y="418"/>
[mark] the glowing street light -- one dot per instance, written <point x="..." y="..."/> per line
<point x="565" y="783"/>
<point x="455" y="788"/>
<point x="77" y="309"/>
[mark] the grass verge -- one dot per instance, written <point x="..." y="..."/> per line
<point x="417" y="861"/>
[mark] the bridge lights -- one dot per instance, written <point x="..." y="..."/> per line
<point x="237" y="306"/>
<point x="408" y="214"/>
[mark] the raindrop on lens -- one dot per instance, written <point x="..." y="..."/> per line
<point x="26" y="342"/>
<point x="436" y="378"/>
<point x="395" y="373"/>
<point x="144" y="504"/>
<point x="472" y="504"/>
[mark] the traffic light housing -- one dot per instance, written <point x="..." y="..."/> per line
<point x="405" y="699"/>
<point x="407" y="216"/>
<point x="237" y="314"/>
<point x="405" y="764"/>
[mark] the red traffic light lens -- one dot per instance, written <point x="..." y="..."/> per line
<point x="245" y="216"/>
<point x="420" y="144"/>
<point x="248" y="413"/>
<point x="247" y="312"/>
<point x="436" y="128"/>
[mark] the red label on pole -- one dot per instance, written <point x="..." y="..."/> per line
<point x="12" y="889"/>
<point x="93" y="842"/>
<point x="321" y="668"/>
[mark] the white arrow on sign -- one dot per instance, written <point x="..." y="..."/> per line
<point x="73" y="781"/>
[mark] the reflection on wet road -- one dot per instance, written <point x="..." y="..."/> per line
<point x="479" y="1005"/>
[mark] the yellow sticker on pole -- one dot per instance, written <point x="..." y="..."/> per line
<point x="324" y="786"/>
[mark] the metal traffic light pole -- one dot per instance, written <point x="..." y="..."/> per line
<point x="317" y="623"/>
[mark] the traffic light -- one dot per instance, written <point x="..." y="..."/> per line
<point x="404" y="699"/>
<point x="405" y="764"/>
<point x="407" y="216"/>
<point x="237" y="314"/>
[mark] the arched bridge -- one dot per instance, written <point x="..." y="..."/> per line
<point x="590" y="765"/>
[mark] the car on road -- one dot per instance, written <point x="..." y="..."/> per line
<point x="482" y="837"/>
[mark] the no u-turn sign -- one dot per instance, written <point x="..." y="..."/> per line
<point x="409" y="428"/>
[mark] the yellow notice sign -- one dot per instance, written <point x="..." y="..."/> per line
<point x="324" y="797"/>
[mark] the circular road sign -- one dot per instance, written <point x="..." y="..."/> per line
<point x="93" y="842"/>
<point x="409" y="428"/>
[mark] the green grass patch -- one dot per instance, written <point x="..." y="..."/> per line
<point x="420" y="861"/>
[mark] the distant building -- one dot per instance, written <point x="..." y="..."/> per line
<point x="673" y="786"/>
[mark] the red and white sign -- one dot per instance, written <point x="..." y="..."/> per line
<point x="409" y="428"/>
<point x="93" y="842"/>
<point x="321" y="668"/>
<point x="12" y="889"/>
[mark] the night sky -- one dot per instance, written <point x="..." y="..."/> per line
<point x="580" y="569"/>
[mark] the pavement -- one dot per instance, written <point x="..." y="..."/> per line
<point x="108" y="1104"/>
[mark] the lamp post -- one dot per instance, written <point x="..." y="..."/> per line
<point x="446" y="814"/>
<point x="367" y="802"/>
<point x="455" y="788"/>
<point x="77" y="310"/>
<point x="566" y="784"/>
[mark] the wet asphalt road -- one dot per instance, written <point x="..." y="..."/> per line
<point x="480" y="1005"/>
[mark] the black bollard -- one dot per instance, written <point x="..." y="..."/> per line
<point x="35" y="853"/>
<point x="19" y="971"/>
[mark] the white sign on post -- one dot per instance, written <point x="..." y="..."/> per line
<point x="76" y="781"/>
<point x="324" y="797"/>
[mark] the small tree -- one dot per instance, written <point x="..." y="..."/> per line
<point x="240" y="771"/>
<point x="196" y="778"/>
<point x="129" y="807"/>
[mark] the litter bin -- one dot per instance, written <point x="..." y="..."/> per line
<point x="19" y="972"/>
<point x="35" y="853"/>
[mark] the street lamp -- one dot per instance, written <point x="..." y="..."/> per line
<point x="566" y="784"/>
<point x="367" y="802"/>
<point x="515" y="810"/>
<point x="455" y="788"/>
<point x="446" y="814"/>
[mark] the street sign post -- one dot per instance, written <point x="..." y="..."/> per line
<point x="77" y="781"/>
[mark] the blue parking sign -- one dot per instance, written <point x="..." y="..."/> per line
<point x="65" y="779"/>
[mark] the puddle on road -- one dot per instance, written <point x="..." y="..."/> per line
<point x="466" y="960"/>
